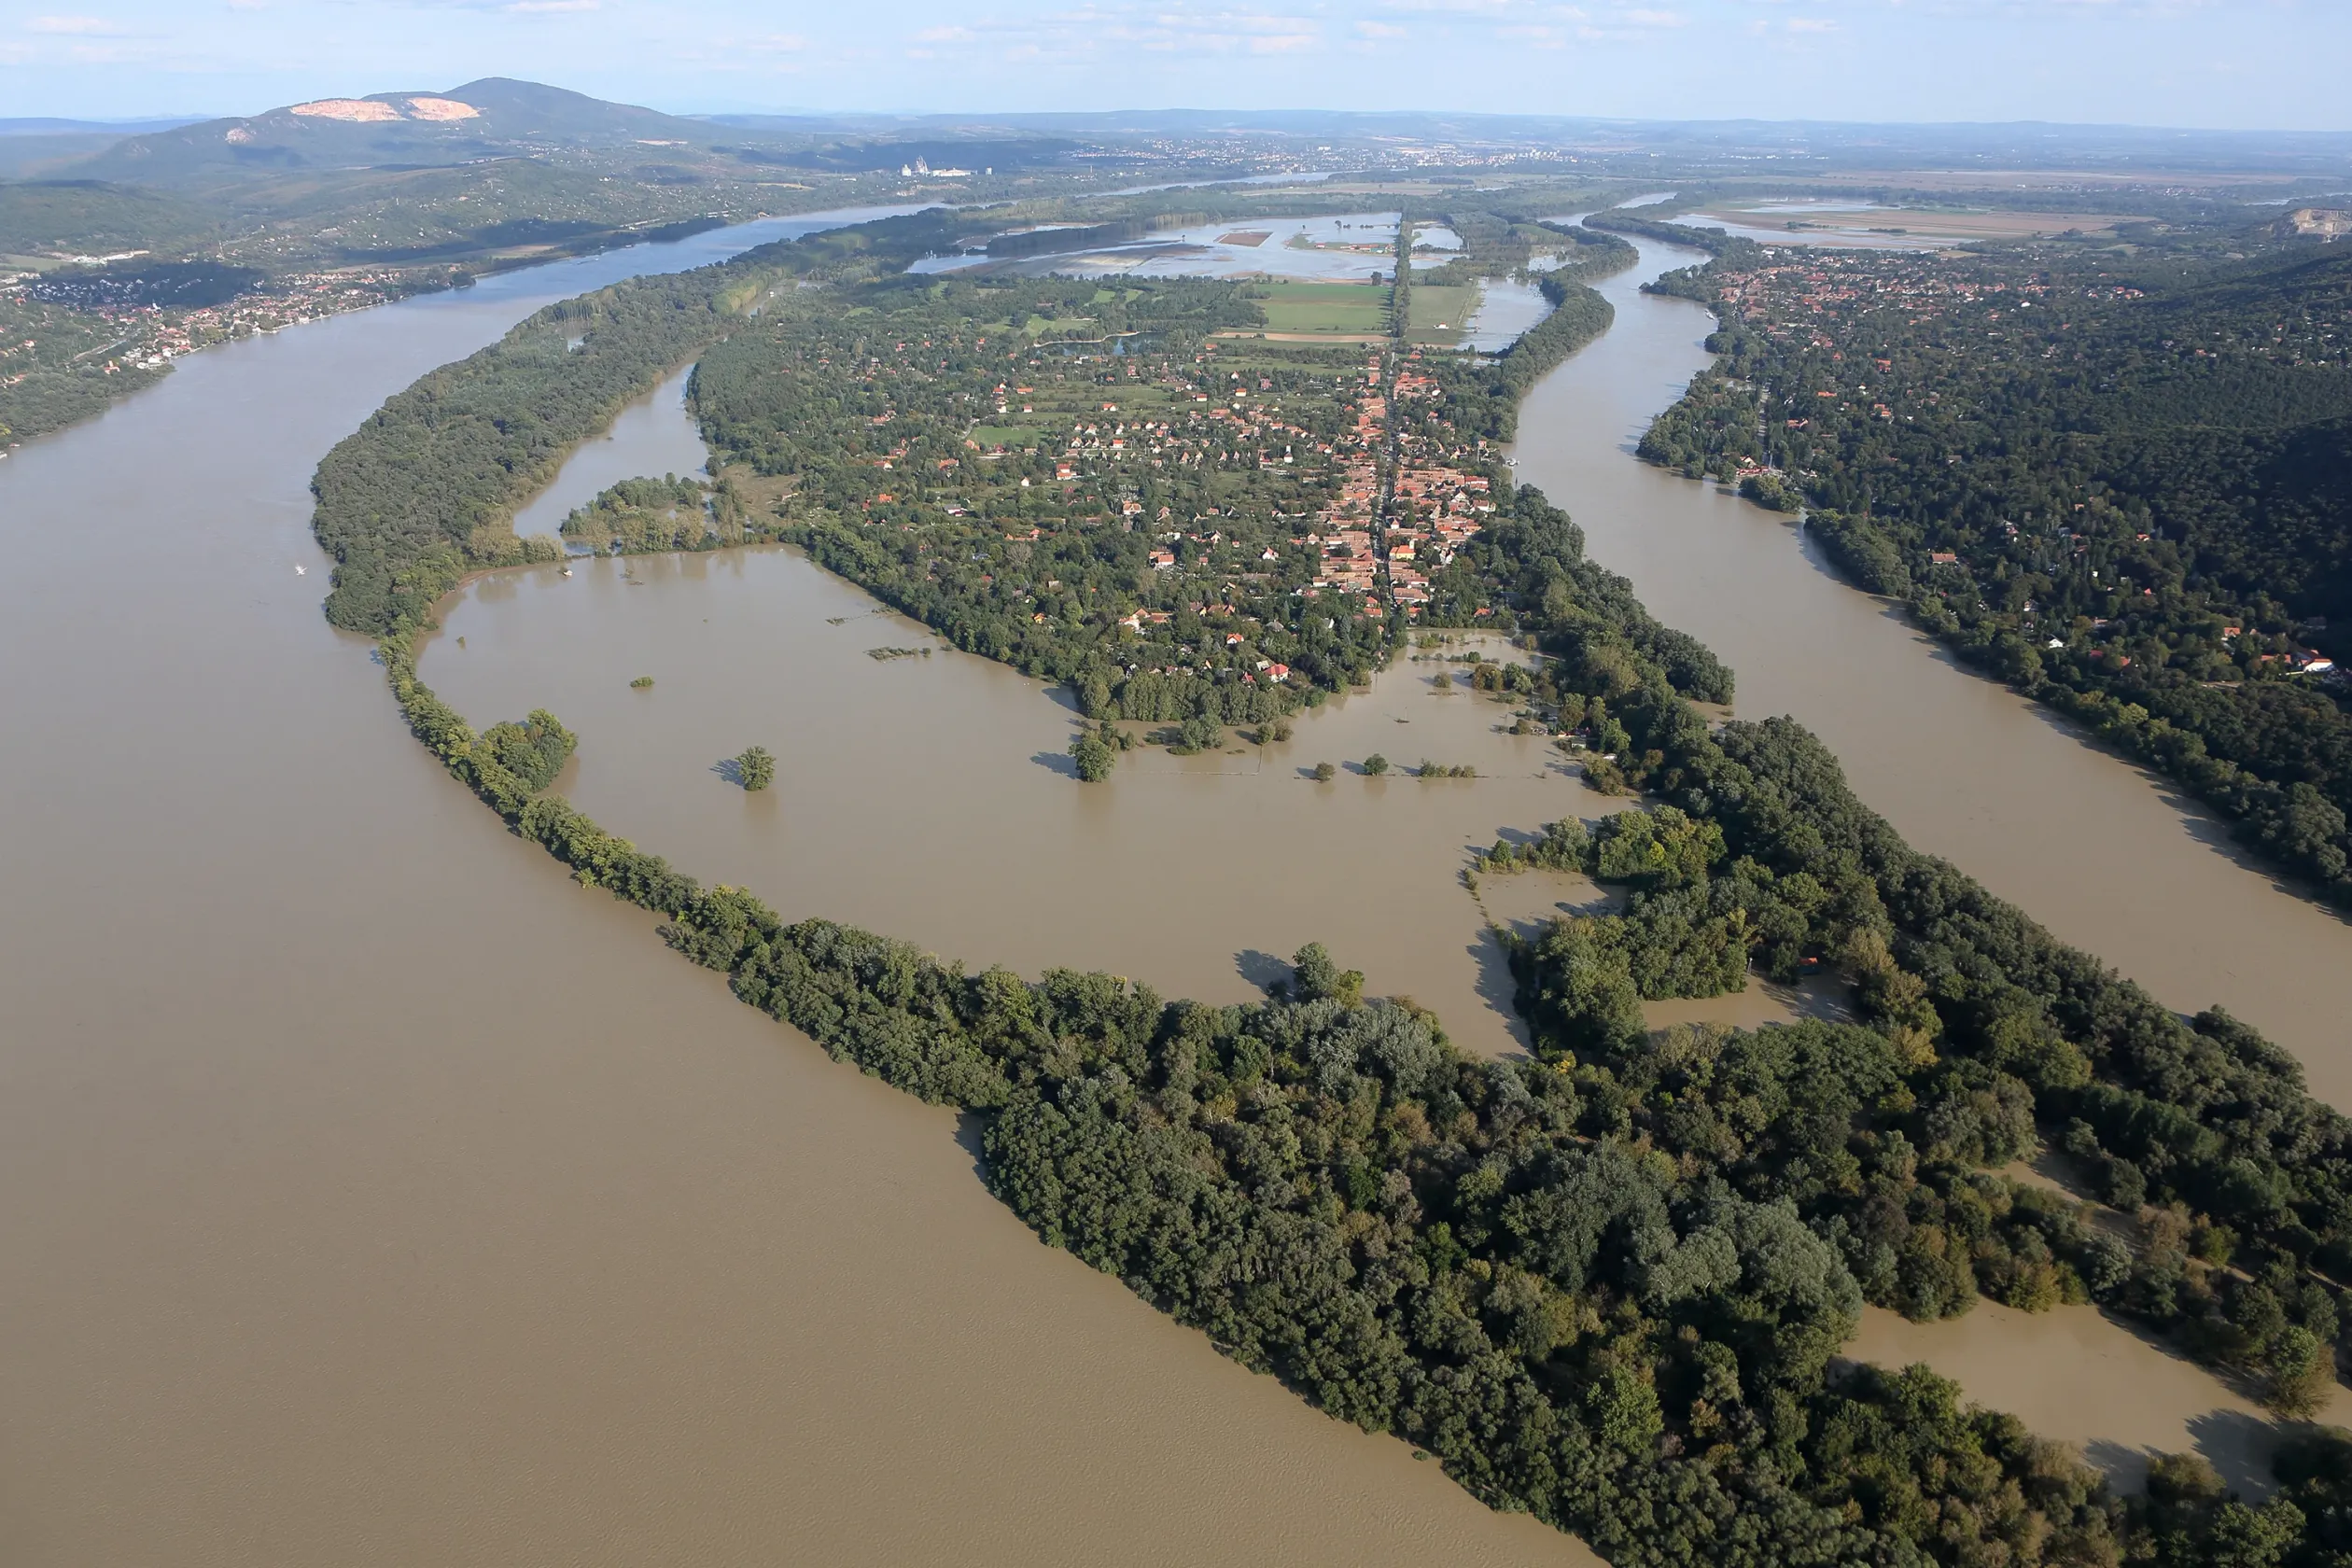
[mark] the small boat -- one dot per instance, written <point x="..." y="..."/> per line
<point x="300" y="568"/>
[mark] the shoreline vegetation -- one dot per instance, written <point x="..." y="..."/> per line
<point x="2109" y="477"/>
<point x="1607" y="1284"/>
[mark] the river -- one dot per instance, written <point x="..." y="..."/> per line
<point x="2106" y="855"/>
<point x="1196" y="873"/>
<point x="372" y="1196"/>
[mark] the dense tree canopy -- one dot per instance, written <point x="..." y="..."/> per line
<point x="2122" y="483"/>
<point x="1606" y="1283"/>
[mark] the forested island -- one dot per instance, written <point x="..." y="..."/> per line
<point x="1607" y="1284"/>
<point x="2116" y="477"/>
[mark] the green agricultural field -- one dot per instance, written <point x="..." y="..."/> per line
<point x="1293" y="305"/>
<point x="1440" y="316"/>
<point x="1007" y="435"/>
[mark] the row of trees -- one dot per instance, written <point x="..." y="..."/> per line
<point x="427" y="489"/>
<point x="1607" y="1284"/>
<point x="1488" y="1259"/>
<point x="2118" y="485"/>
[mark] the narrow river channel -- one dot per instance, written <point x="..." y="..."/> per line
<point x="2108" y="856"/>
<point x="372" y="1196"/>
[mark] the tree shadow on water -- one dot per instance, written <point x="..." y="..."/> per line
<point x="970" y="1129"/>
<point x="730" y="769"/>
<point x="1263" y="970"/>
<point x="1061" y="762"/>
<point x="1498" y="987"/>
<point x="2239" y="1446"/>
<point x="2124" y="1467"/>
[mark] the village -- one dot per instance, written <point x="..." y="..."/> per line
<point x="1218" y="509"/>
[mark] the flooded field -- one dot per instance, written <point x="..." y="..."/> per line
<point x="932" y="798"/>
<point x="1349" y="245"/>
<point x="1507" y="309"/>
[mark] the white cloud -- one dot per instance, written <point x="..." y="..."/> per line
<point x="1379" y="30"/>
<point x="1810" y="24"/>
<point x="543" y="7"/>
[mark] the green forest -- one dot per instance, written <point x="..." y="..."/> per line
<point x="1607" y="1284"/>
<point x="2121" y="481"/>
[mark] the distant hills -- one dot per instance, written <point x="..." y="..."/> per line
<point x="494" y="117"/>
<point x="47" y="127"/>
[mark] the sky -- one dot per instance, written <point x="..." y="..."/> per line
<point x="2246" y="64"/>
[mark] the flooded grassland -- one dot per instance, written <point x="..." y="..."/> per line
<point x="932" y="797"/>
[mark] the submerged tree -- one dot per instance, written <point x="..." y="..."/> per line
<point x="1093" y="755"/>
<point x="755" y="769"/>
<point x="534" y="750"/>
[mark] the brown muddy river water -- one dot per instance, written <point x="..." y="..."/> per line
<point x="2108" y="856"/>
<point x="373" y="1196"/>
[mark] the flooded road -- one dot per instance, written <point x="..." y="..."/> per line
<point x="373" y="1196"/>
<point x="2108" y="856"/>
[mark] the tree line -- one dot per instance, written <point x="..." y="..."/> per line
<point x="2120" y="484"/>
<point x="1607" y="1284"/>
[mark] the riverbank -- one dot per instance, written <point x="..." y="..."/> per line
<point x="374" y="1198"/>
<point x="2125" y="1041"/>
<point x="2107" y="857"/>
<point x="1692" y="1010"/>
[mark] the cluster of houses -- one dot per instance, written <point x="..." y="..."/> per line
<point x="157" y="334"/>
<point x="1433" y="506"/>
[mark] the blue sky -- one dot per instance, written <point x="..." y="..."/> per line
<point x="2238" y="63"/>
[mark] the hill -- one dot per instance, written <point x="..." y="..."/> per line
<point x="492" y="118"/>
<point x="86" y="217"/>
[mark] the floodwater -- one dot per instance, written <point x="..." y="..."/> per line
<point x="651" y="436"/>
<point x="1507" y="309"/>
<point x="1349" y="245"/>
<point x="371" y="1195"/>
<point x="2079" y="1375"/>
<point x="932" y="797"/>
<point x="2108" y="856"/>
